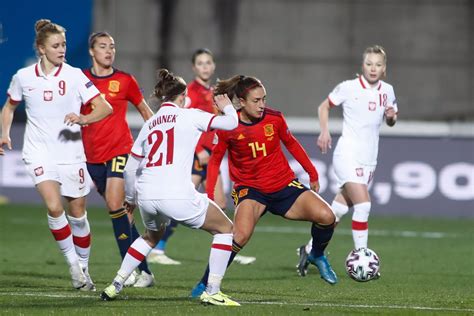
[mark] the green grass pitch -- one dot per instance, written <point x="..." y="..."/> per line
<point x="426" y="266"/>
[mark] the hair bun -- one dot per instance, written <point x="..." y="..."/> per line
<point x="41" y="23"/>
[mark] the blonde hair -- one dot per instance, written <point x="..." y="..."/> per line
<point x="375" y="49"/>
<point x="44" y="28"/>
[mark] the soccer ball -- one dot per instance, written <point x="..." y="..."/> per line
<point x="362" y="264"/>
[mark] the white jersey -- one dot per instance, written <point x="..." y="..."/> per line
<point x="48" y="98"/>
<point x="166" y="143"/>
<point x="363" y="113"/>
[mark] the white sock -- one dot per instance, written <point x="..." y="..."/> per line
<point x="360" y="225"/>
<point x="309" y="246"/>
<point x="62" y="233"/>
<point x="137" y="252"/>
<point x="221" y="250"/>
<point x="339" y="210"/>
<point x="81" y="236"/>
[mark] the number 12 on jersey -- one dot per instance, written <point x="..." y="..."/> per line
<point x="156" y="139"/>
<point x="256" y="147"/>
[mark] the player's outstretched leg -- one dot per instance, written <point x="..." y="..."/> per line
<point x="322" y="234"/>
<point x="135" y="254"/>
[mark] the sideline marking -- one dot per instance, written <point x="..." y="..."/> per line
<point x="315" y="304"/>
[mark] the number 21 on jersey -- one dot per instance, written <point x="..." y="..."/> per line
<point x="160" y="147"/>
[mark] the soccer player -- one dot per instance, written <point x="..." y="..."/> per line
<point x="53" y="152"/>
<point x="108" y="143"/>
<point x="255" y="157"/>
<point x="158" y="175"/>
<point x="366" y="101"/>
<point x="199" y="97"/>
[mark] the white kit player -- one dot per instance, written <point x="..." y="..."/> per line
<point x="158" y="180"/>
<point x="53" y="152"/>
<point x="366" y="102"/>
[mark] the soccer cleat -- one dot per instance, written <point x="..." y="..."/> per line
<point x="161" y="258"/>
<point x="132" y="279"/>
<point x="244" y="259"/>
<point x="303" y="263"/>
<point x="145" y="280"/>
<point x="111" y="292"/>
<point x="197" y="290"/>
<point x="77" y="275"/>
<point x="219" y="299"/>
<point x="90" y="286"/>
<point x="325" y="270"/>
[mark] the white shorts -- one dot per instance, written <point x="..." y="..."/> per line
<point x="191" y="213"/>
<point x="74" y="179"/>
<point x="347" y="169"/>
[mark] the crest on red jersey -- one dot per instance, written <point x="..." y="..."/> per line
<point x="114" y="86"/>
<point x="360" y="172"/>
<point x="39" y="171"/>
<point x="268" y="129"/>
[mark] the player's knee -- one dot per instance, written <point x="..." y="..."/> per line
<point x="241" y="238"/>
<point x="327" y="217"/>
<point x="113" y="204"/>
<point x="361" y="212"/>
<point x="339" y="210"/>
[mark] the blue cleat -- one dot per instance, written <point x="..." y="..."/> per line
<point x="325" y="270"/>
<point x="198" y="290"/>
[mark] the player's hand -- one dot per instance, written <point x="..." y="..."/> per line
<point x="221" y="100"/>
<point x="129" y="206"/>
<point x="5" y="141"/>
<point x="324" y="142"/>
<point x="314" y="186"/>
<point x="390" y="112"/>
<point x="72" y="118"/>
<point x="203" y="157"/>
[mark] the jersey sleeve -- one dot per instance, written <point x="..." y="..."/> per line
<point x="138" y="150"/>
<point x="86" y="89"/>
<point x="134" y="94"/>
<point x="392" y="100"/>
<point x="296" y="150"/>
<point x="15" y="92"/>
<point x="201" y="119"/>
<point x="215" y="163"/>
<point x="339" y="94"/>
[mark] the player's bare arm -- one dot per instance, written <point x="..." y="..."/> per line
<point x="7" y="119"/>
<point x="101" y="107"/>
<point x="324" y="139"/>
<point x="144" y="110"/>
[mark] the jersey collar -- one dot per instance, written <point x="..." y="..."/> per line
<point x="39" y="72"/>
<point x="366" y="85"/>
<point x="170" y="104"/>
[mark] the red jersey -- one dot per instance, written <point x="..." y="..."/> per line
<point x="201" y="98"/>
<point x="111" y="136"/>
<point x="255" y="155"/>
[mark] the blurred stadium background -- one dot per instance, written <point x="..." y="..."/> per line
<point x="300" y="49"/>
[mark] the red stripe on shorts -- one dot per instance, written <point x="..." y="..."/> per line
<point x="360" y="225"/>
<point x="62" y="233"/>
<point x="136" y="254"/>
<point x="222" y="247"/>
<point x="83" y="242"/>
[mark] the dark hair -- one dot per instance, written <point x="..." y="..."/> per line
<point x="94" y="36"/>
<point x="43" y="29"/>
<point x="199" y="52"/>
<point x="237" y="86"/>
<point x="168" y="86"/>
